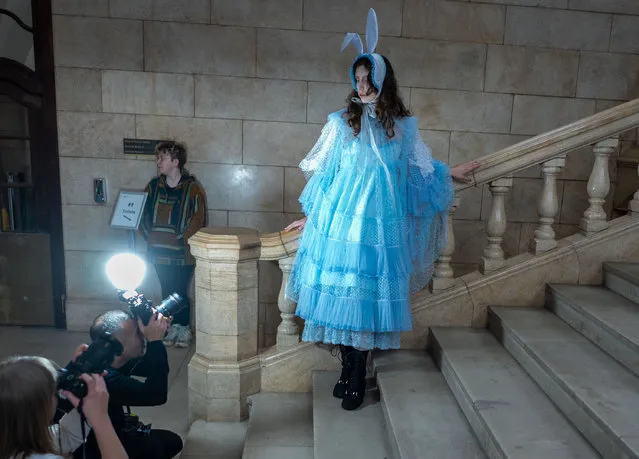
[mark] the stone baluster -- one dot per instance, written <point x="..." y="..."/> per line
<point x="493" y="258"/>
<point x="595" y="218"/>
<point x="634" y="203"/>
<point x="544" y="239"/>
<point x="225" y="368"/>
<point x="443" y="276"/>
<point x="288" y="333"/>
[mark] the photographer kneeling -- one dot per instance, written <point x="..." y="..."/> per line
<point x="138" y="440"/>
<point x="28" y="389"/>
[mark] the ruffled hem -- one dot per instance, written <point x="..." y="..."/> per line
<point x="315" y="333"/>
<point x="354" y="257"/>
<point x="340" y="283"/>
<point x="353" y="314"/>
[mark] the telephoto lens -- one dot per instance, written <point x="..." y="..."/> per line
<point x="171" y="305"/>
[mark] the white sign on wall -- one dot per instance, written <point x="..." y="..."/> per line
<point x="128" y="210"/>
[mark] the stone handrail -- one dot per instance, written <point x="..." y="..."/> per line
<point x="278" y="245"/>
<point x="543" y="147"/>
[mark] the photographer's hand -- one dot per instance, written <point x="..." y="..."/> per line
<point x="79" y="350"/>
<point x="95" y="406"/>
<point x="156" y="329"/>
<point x="96" y="403"/>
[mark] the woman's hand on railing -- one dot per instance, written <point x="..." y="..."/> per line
<point x="296" y="225"/>
<point x="460" y="173"/>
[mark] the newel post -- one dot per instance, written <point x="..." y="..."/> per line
<point x="225" y="368"/>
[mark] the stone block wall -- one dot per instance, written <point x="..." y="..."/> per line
<point x="247" y="84"/>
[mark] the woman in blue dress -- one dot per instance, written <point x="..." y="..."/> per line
<point x="376" y="206"/>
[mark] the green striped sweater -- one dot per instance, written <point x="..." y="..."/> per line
<point x="171" y="217"/>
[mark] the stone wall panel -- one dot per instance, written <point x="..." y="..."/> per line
<point x="251" y="99"/>
<point x="548" y="28"/>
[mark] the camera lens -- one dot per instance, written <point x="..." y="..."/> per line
<point x="171" y="305"/>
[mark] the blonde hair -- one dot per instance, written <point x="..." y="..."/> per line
<point x="27" y="388"/>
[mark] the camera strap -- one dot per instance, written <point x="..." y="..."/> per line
<point x="83" y="421"/>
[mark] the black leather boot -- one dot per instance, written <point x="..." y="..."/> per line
<point x="356" y="387"/>
<point x="342" y="382"/>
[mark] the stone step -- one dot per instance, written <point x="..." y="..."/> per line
<point x="422" y="416"/>
<point x="622" y="278"/>
<point x="508" y="412"/>
<point x="280" y="427"/>
<point x="358" y="434"/>
<point x="601" y="315"/>
<point x="598" y="394"/>
<point x="223" y="440"/>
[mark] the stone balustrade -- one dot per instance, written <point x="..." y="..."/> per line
<point x="227" y="367"/>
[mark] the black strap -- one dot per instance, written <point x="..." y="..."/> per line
<point x="83" y="420"/>
<point x="283" y="244"/>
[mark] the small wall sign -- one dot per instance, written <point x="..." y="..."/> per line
<point x="128" y="210"/>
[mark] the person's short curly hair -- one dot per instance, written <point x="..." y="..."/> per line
<point x="175" y="150"/>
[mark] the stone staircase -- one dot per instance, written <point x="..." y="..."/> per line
<point x="552" y="383"/>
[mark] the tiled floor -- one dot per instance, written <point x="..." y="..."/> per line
<point x="58" y="345"/>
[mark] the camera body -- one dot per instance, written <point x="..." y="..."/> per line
<point x="97" y="358"/>
<point x="142" y="307"/>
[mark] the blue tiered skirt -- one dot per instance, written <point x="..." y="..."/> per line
<point x="364" y="249"/>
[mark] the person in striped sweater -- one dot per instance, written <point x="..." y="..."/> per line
<point x="175" y="210"/>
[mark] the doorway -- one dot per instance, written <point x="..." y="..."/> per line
<point x="32" y="271"/>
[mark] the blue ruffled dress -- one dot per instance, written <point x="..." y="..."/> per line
<point x="376" y="222"/>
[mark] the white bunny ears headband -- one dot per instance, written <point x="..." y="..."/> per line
<point x="377" y="61"/>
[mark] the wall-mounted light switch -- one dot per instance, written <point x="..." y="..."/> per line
<point x="99" y="190"/>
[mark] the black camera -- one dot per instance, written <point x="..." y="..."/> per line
<point x="97" y="358"/>
<point x="141" y="307"/>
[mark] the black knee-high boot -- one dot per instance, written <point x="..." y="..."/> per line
<point x="356" y="387"/>
<point x="342" y="382"/>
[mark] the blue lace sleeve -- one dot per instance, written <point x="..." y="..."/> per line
<point x="430" y="185"/>
<point x="322" y="163"/>
<point x="325" y="151"/>
<point x="430" y="197"/>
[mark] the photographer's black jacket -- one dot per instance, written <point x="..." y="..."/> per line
<point x="127" y="391"/>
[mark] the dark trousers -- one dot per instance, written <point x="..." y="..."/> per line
<point x="175" y="279"/>
<point x="160" y="444"/>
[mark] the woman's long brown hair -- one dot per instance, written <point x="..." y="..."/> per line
<point x="27" y="388"/>
<point x="389" y="104"/>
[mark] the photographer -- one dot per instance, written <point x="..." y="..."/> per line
<point x="149" y="361"/>
<point x="28" y="387"/>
